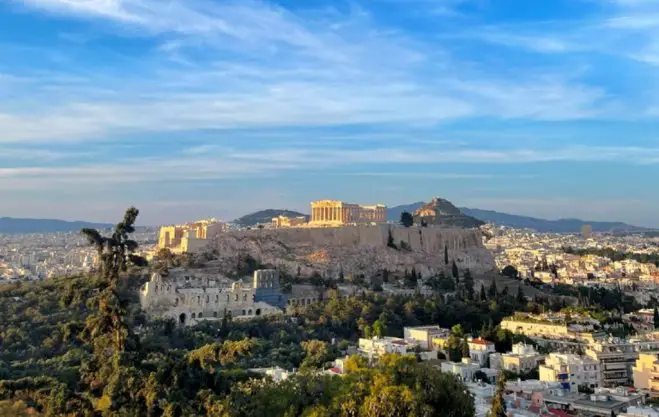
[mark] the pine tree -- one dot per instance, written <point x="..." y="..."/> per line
<point x="498" y="403"/>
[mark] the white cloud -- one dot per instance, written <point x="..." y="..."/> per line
<point x="246" y="64"/>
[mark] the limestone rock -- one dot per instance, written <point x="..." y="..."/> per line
<point x="353" y="250"/>
<point x="441" y="212"/>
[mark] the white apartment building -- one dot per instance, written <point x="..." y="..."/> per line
<point x="373" y="348"/>
<point x="465" y="370"/>
<point x="480" y="350"/>
<point x="523" y="358"/>
<point x="571" y="370"/>
<point x="423" y="335"/>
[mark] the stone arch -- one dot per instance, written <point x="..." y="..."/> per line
<point x="214" y="313"/>
<point x="199" y="315"/>
<point x="249" y="312"/>
<point x="181" y="319"/>
<point x="193" y="315"/>
<point x="258" y="312"/>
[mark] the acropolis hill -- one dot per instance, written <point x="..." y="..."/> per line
<point x="349" y="238"/>
<point x="353" y="250"/>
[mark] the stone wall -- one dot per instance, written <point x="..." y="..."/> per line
<point x="355" y="249"/>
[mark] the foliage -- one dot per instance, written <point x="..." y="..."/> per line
<point x="406" y="219"/>
<point x="81" y="346"/>
<point x="510" y="271"/>
<point x="498" y="403"/>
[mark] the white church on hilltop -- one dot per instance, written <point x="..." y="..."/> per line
<point x="190" y="298"/>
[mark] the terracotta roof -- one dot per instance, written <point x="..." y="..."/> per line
<point x="481" y="341"/>
<point x="335" y="370"/>
<point x="559" y="413"/>
<point x="399" y="342"/>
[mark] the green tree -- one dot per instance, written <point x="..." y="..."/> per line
<point x="498" y="403"/>
<point x="115" y="254"/>
<point x="390" y="241"/>
<point x="510" y="271"/>
<point x="455" y="272"/>
<point x="465" y="348"/>
<point x="406" y="219"/>
<point x="492" y="292"/>
<point x="468" y="282"/>
<point x="520" y="298"/>
<point x="483" y="294"/>
<point x="445" y="255"/>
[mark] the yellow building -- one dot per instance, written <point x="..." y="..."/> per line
<point x="284" y="221"/>
<point x="337" y="213"/>
<point x="190" y="236"/>
<point x="644" y="372"/>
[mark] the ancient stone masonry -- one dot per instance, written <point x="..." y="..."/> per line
<point x="336" y="213"/>
<point x="190" y="296"/>
<point x="354" y="249"/>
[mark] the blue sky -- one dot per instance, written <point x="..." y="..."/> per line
<point x="198" y="108"/>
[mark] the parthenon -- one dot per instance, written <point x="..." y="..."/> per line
<point x="335" y="213"/>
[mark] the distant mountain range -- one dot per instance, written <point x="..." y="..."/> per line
<point x="10" y="225"/>
<point x="525" y="222"/>
<point x="550" y="226"/>
<point x="265" y="216"/>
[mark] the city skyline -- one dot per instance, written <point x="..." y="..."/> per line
<point x="220" y="108"/>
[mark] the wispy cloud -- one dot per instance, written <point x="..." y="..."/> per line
<point x="274" y="67"/>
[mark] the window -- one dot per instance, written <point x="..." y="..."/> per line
<point x="236" y="297"/>
<point x="193" y="315"/>
<point x="214" y="313"/>
<point x="199" y="315"/>
<point x="243" y="312"/>
<point x="207" y="299"/>
<point x="249" y="312"/>
<point x="245" y="297"/>
<point x="217" y="299"/>
<point x="199" y="299"/>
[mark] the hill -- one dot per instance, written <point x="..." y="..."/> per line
<point x="526" y="222"/>
<point x="10" y="225"/>
<point x="265" y="216"/>
<point x="548" y="226"/>
<point x="393" y="213"/>
<point x="441" y="212"/>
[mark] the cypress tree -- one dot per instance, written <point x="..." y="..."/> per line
<point x="465" y="348"/>
<point x="498" y="403"/>
<point x="456" y="273"/>
<point x="656" y="318"/>
<point x="483" y="295"/>
<point x="492" y="291"/>
<point x="445" y="255"/>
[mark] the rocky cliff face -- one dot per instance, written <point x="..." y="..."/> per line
<point x="441" y="212"/>
<point x="354" y="250"/>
